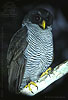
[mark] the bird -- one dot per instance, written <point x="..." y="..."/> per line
<point x="30" y="51"/>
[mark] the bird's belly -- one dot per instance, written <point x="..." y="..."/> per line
<point x="32" y="64"/>
<point x="38" y="55"/>
<point x="37" y="62"/>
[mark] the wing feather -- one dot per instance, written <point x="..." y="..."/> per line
<point x="15" y="59"/>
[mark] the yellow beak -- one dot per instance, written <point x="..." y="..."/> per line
<point x="43" y="24"/>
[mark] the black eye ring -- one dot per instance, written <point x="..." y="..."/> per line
<point x="37" y="18"/>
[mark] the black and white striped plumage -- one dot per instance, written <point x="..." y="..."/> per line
<point x="31" y="49"/>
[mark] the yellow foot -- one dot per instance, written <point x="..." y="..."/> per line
<point x="30" y="87"/>
<point x="46" y="72"/>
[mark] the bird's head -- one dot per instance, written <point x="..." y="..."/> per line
<point x="40" y="17"/>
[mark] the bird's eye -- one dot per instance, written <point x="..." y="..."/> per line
<point x="37" y="18"/>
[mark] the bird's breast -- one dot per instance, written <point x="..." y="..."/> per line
<point x="38" y="54"/>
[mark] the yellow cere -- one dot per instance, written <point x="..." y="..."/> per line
<point x="43" y="24"/>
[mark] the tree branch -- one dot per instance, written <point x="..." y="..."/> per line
<point x="45" y="81"/>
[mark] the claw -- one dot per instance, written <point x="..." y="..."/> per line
<point x="30" y="87"/>
<point x="46" y="72"/>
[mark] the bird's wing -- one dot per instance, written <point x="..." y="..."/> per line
<point x="15" y="58"/>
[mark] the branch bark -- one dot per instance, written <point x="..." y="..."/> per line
<point x="58" y="72"/>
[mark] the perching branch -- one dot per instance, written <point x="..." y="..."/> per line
<point x="45" y="81"/>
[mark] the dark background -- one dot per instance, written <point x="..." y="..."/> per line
<point x="12" y="13"/>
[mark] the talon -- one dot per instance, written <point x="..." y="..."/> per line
<point x="32" y="92"/>
<point x="49" y="76"/>
<point x="46" y="72"/>
<point x="30" y="87"/>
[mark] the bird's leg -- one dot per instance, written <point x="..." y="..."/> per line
<point x="30" y="87"/>
<point x="46" y="72"/>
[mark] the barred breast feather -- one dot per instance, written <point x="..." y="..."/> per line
<point x="39" y="52"/>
